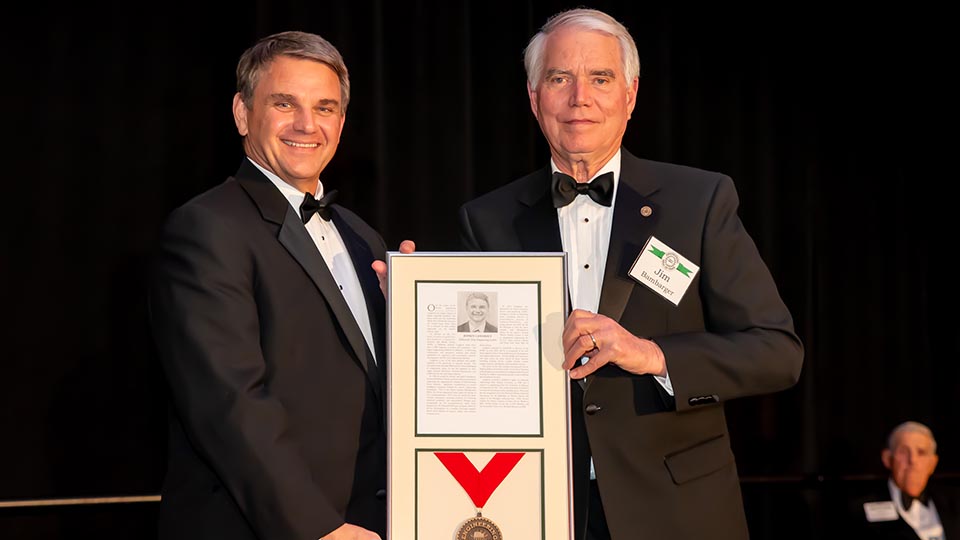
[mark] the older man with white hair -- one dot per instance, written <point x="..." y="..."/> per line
<point x="674" y="310"/>
<point x="909" y="508"/>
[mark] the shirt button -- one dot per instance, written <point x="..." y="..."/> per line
<point x="586" y="265"/>
<point x="586" y="220"/>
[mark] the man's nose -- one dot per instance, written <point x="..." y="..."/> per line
<point x="580" y="93"/>
<point x="304" y="121"/>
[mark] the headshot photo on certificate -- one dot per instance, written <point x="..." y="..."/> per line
<point x="477" y="312"/>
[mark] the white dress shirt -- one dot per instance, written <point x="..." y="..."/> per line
<point x="923" y="519"/>
<point x="334" y="252"/>
<point x="585" y="229"/>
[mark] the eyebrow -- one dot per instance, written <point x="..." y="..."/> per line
<point x="283" y="97"/>
<point x="596" y="72"/>
<point x="290" y="97"/>
<point x="555" y="71"/>
<point x="604" y="73"/>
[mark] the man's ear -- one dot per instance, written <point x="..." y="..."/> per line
<point x="240" y="115"/>
<point x="887" y="458"/>
<point x="532" y="94"/>
<point x="632" y="96"/>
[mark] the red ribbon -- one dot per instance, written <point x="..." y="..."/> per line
<point x="479" y="485"/>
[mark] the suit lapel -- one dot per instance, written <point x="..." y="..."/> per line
<point x="362" y="257"/>
<point x="539" y="230"/>
<point x="628" y="234"/>
<point x="295" y="238"/>
<point x="948" y="509"/>
<point x="538" y="227"/>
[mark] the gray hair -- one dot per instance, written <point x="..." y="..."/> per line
<point x="910" y="427"/>
<point x="296" y="45"/>
<point x="587" y="19"/>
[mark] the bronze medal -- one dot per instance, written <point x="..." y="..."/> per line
<point x="479" y="528"/>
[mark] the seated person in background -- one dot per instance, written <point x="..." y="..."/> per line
<point x="477" y="307"/>
<point x="909" y="508"/>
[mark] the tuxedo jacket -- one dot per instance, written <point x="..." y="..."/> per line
<point x="663" y="463"/>
<point x="946" y="499"/>
<point x="278" y="419"/>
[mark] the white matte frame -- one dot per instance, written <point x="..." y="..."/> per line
<point x="537" y="495"/>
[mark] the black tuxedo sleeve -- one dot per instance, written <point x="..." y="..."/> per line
<point x="748" y="345"/>
<point x="205" y="320"/>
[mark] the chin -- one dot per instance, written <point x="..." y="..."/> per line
<point x="578" y="149"/>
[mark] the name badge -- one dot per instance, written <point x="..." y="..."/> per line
<point x="880" y="511"/>
<point x="663" y="270"/>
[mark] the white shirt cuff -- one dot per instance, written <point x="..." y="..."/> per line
<point x="665" y="383"/>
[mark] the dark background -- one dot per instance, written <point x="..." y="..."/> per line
<point x="829" y="120"/>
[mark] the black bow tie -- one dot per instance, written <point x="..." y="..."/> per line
<point x="311" y="206"/>
<point x="907" y="500"/>
<point x="566" y="189"/>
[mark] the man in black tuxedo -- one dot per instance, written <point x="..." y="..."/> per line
<point x="909" y="507"/>
<point x="653" y="365"/>
<point x="270" y="325"/>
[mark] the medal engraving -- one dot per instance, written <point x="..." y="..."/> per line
<point x="479" y="528"/>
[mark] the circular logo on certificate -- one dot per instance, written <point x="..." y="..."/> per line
<point x="479" y="528"/>
<point x="670" y="261"/>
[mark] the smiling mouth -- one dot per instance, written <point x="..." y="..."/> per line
<point x="300" y="145"/>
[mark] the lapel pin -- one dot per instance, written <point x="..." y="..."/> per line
<point x="646" y="211"/>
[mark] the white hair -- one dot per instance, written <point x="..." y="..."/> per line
<point x="910" y="427"/>
<point x="587" y="19"/>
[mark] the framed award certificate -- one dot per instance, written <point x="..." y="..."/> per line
<point x="477" y="400"/>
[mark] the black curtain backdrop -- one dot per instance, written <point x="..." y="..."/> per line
<point x="827" y="118"/>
